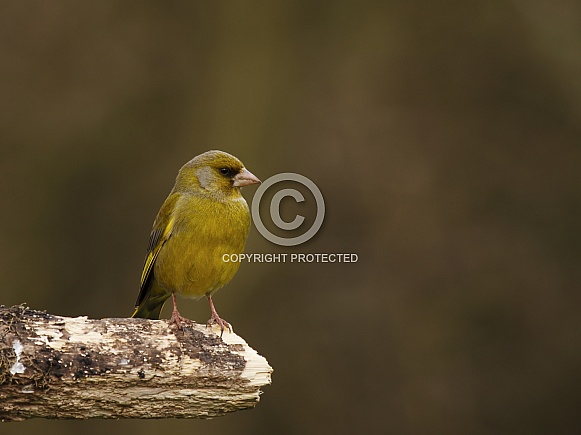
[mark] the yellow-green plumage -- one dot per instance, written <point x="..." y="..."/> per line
<point x="203" y="218"/>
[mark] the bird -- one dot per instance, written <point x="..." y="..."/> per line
<point x="204" y="217"/>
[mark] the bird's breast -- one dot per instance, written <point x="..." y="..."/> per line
<point x="191" y="263"/>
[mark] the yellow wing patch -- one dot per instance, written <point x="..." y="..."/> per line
<point x="156" y="242"/>
<point x="162" y="230"/>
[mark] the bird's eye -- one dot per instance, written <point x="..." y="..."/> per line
<point x="224" y="171"/>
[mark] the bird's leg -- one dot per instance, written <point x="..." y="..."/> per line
<point x="176" y="318"/>
<point x="216" y="319"/>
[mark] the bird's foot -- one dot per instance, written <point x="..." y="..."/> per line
<point x="217" y="320"/>
<point x="176" y="320"/>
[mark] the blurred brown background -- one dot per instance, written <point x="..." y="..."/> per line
<point x="445" y="138"/>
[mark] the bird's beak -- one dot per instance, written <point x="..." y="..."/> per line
<point x="244" y="178"/>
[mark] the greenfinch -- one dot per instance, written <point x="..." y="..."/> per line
<point x="203" y="218"/>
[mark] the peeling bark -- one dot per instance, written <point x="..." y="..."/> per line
<point x="78" y="368"/>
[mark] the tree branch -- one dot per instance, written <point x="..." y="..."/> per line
<point x="78" y="368"/>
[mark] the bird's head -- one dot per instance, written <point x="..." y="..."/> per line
<point x="214" y="173"/>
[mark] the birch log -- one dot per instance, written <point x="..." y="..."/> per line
<point x="78" y="368"/>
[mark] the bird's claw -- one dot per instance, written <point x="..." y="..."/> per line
<point x="217" y="320"/>
<point x="176" y="320"/>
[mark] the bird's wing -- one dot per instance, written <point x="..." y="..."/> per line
<point x="161" y="232"/>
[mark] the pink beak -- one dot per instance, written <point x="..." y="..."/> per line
<point x="244" y="178"/>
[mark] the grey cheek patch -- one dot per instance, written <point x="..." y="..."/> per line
<point x="205" y="176"/>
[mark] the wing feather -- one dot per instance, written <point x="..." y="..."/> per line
<point x="161" y="232"/>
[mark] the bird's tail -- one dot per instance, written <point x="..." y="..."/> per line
<point x="150" y="304"/>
